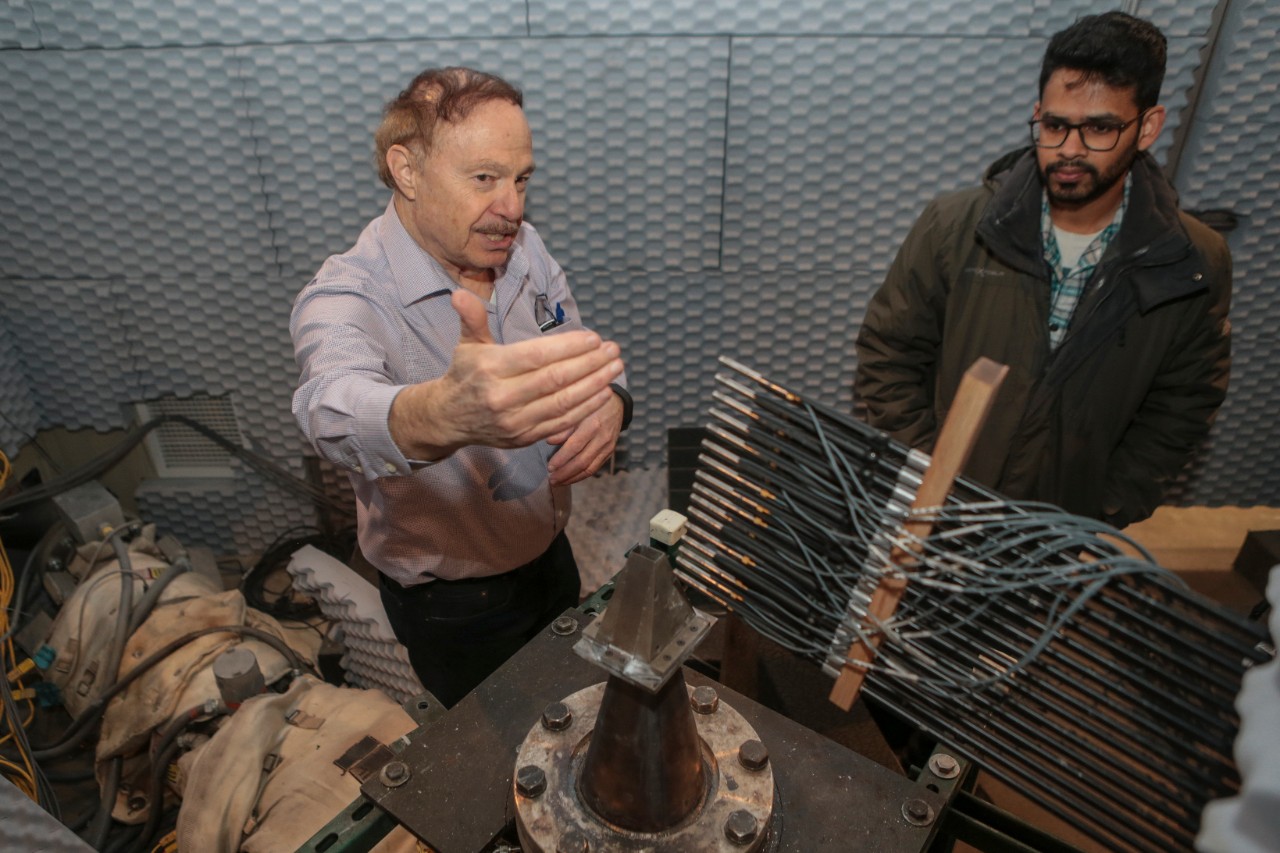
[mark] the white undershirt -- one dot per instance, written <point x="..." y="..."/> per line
<point x="1071" y="246"/>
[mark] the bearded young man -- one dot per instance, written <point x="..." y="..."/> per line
<point x="1073" y="265"/>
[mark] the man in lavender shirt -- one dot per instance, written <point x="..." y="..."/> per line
<point x="444" y="366"/>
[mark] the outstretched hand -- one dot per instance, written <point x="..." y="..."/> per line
<point x="509" y="395"/>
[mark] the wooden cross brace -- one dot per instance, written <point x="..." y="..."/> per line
<point x="959" y="432"/>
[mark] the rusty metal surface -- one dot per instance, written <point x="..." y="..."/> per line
<point x="458" y="796"/>
<point x="644" y="768"/>
<point x="736" y="800"/>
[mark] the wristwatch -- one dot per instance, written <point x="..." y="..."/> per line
<point x="625" y="397"/>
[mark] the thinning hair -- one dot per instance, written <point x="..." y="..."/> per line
<point x="436" y="95"/>
<point x="1118" y="49"/>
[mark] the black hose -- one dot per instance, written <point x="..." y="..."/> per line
<point x="124" y="839"/>
<point x="82" y="725"/>
<point x="152" y="595"/>
<point x="92" y="469"/>
<point x="166" y="747"/>
<point x="96" y="836"/>
<point x="115" y="651"/>
<point x="38" y="557"/>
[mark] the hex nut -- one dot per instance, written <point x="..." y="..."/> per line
<point x="531" y="781"/>
<point x="556" y="717"/>
<point x="741" y="827"/>
<point x="944" y="766"/>
<point x="704" y="700"/>
<point x="564" y="626"/>
<point x="753" y="755"/>
<point x="394" y="774"/>
<point x="917" y="812"/>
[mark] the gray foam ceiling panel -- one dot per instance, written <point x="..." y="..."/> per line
<point x="803" y="340"/>
<point x="828" y="17"/>
<point x="18" y="27"/>
<point x="20" y="415"/>
<point x="127" y="163"/>
<point x="710" y="188"/>
<point x="75" y="24"/>
<point x="628" y="135"/>
<point x="71" y="336"/>
<point x="1231" y="164"/>
<point x="836" y="144"/>
<point x="1175" y="18"/>
<point x="96" y="345"/>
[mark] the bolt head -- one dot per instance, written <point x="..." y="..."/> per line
<point x="556" y="717"/>
<point x="917" y="812"/>
<point x="741" y="827"/>
<point x="564" y="626"/>
<point x="753" y="755"/>
<point x="394" y="774"/>
<point x="704" y="700"/>
<point x="944" y="766"/>
<point x="531" y="781"/>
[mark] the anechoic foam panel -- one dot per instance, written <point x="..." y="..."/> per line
<point x="716" y="177"/>
<point x="1233" y="163"/>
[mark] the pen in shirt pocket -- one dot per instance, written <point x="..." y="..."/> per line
<point x="547" y="319"/>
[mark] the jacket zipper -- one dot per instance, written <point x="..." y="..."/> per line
<point x="1129" y="263"/>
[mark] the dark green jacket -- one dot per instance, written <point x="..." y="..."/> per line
<point x="1098" y="427"/>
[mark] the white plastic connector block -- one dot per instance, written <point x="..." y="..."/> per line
<point x="668" y="527"/>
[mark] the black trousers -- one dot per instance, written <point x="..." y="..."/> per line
<point x="458" y="632"/>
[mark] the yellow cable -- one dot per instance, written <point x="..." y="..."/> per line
<point x="24" y="775"/>
<point x="21" y="669"/>
<point x="22" y="779"/>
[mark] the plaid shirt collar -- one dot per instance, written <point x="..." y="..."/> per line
<point x="1066" y="286"/>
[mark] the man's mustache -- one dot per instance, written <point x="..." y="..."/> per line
<point x="1071" y="165"/>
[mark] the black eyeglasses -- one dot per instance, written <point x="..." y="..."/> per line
<point x="1096" y="135"/>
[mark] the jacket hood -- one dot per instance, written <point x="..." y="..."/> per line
<point x="1152" y="234"/>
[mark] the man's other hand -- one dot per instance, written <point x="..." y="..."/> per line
<point x="585" y="448"/>
<point x="506" y="396"/>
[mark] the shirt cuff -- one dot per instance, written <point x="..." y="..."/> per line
<point x="379" y="450"/>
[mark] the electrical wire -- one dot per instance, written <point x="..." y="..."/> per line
<point x="162" y="754"/>
<point x="20" y="769"/>
<point x="94" y="468"/>
<point x="82" y="726"/>
<point x="338" y="544"/>
<point x="1050" y="649"/>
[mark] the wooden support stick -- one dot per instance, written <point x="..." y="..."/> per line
<point x="973" y="401"/>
